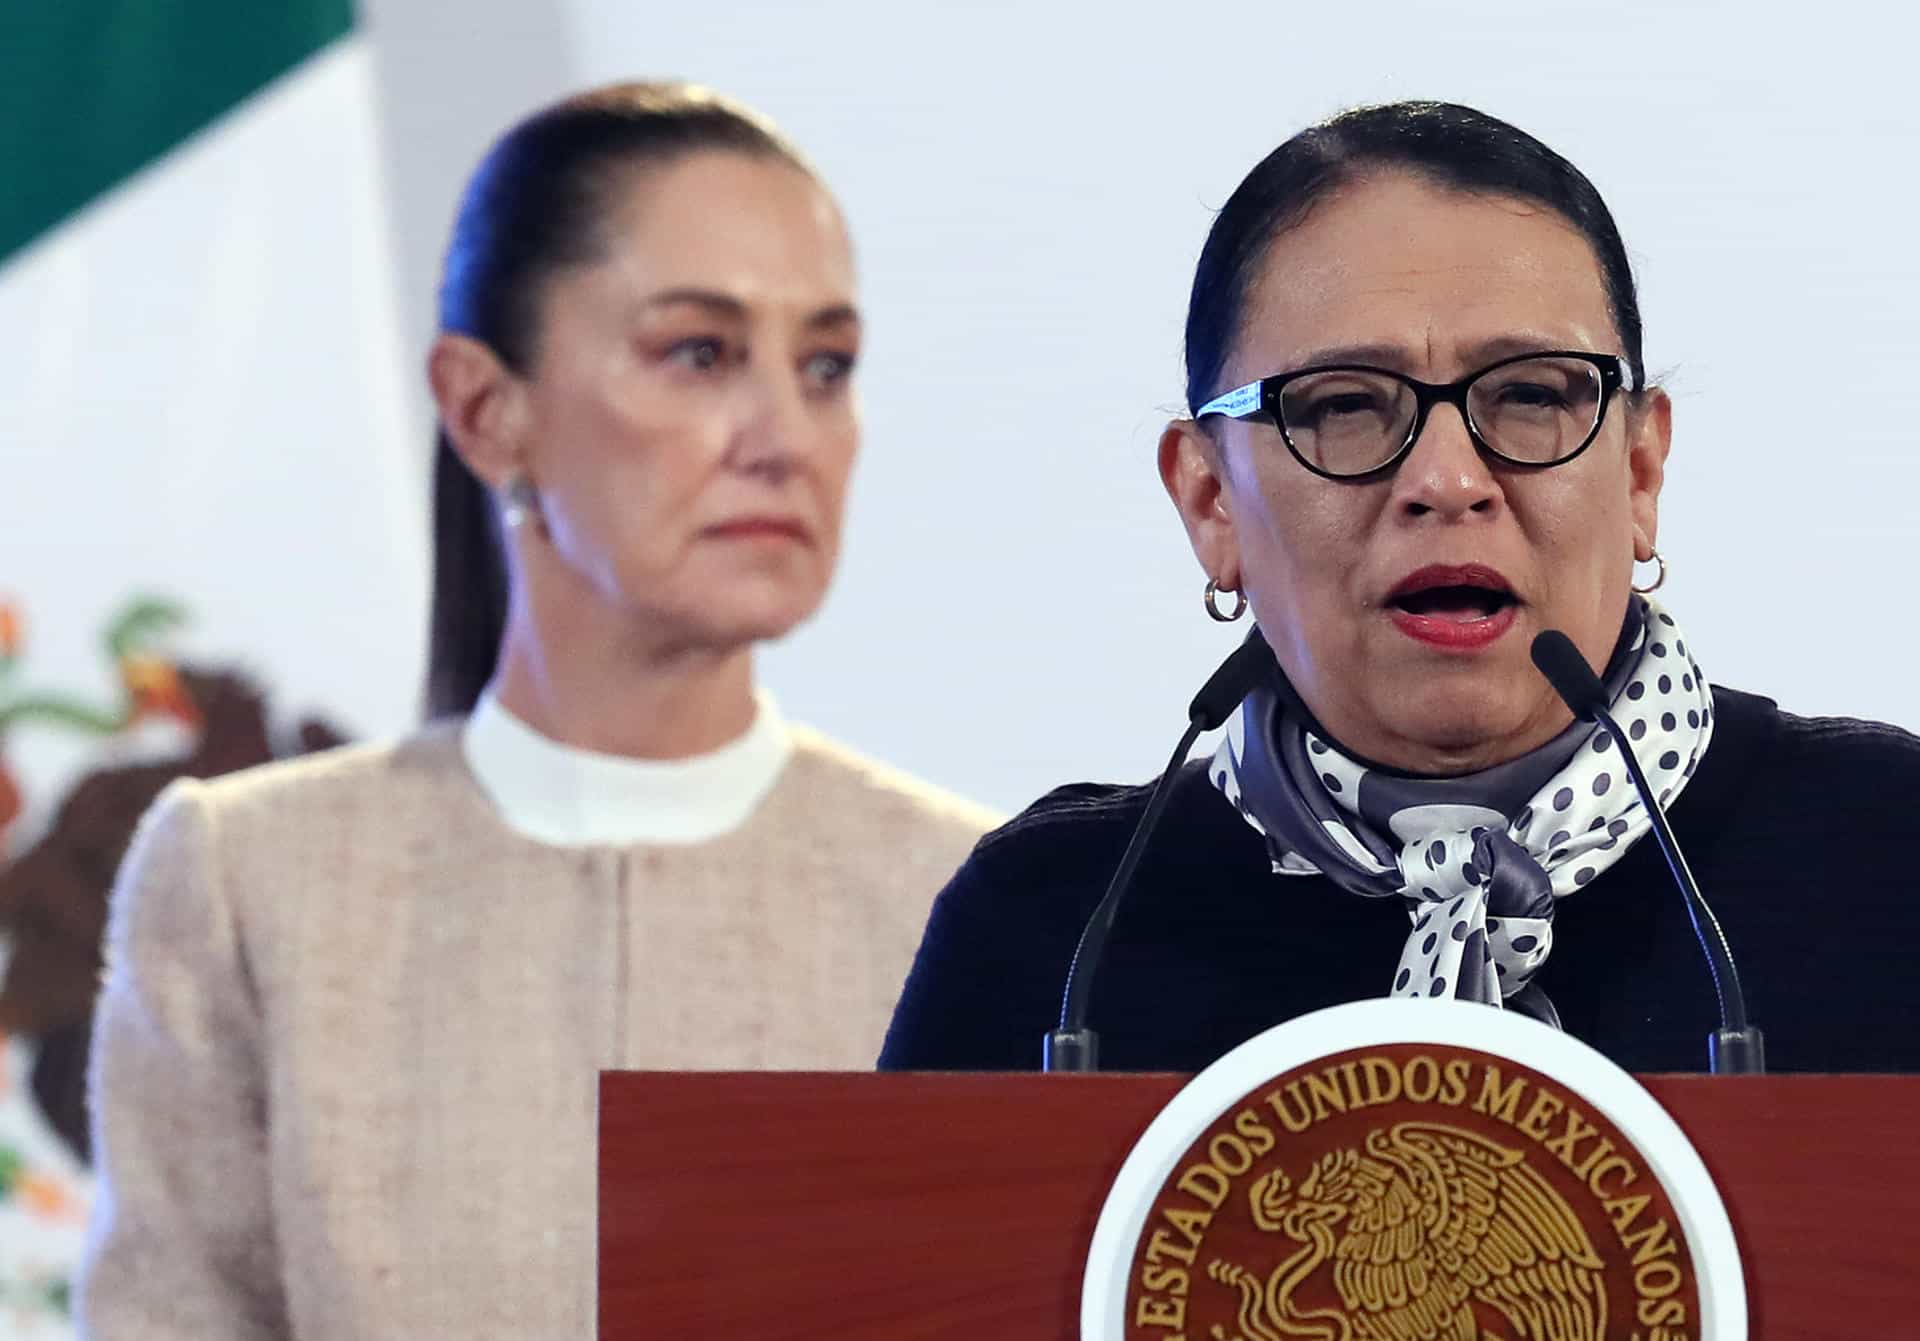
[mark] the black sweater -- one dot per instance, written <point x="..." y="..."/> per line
<point x="1801" y="832"/>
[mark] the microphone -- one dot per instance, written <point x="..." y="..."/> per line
<point x="1073" y="1046"/>
<point x="1736" y="1048"/>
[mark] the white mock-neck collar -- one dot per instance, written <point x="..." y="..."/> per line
<point x="569" y="797"/>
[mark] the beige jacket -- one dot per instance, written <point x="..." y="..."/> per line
<point x="346" y="1053"/>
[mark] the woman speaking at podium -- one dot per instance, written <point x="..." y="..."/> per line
<point x="1421" y="434"/>
<point x="354" y="1008"/>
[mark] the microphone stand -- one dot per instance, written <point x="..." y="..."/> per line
<point x="1736" y="1047"/>
<point x="1073" y="1046"/>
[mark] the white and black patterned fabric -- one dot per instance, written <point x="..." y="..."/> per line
<point x="1482" y="858"/>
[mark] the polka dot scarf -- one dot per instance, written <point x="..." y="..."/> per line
<point x="1480" y="859"/>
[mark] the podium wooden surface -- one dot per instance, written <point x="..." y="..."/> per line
<point x="773" y="1205"/>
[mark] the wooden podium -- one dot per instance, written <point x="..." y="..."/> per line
<point x="773" y="1205"/>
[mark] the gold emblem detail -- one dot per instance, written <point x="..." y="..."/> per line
<point x="1426" y="1219"/>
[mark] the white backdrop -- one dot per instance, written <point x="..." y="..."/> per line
<point x="1028" y="186"/>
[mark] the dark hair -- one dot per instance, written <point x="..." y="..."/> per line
<point x="1454" y="146"/>
<point x="539" y="203"/>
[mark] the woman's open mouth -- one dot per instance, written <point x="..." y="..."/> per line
<point x="1456" y="607"/>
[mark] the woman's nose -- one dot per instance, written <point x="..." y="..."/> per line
<point x="775" y="434"/>
<point x="1445" y="474"/>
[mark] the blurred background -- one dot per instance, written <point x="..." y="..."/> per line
<point x="221" y="223"/>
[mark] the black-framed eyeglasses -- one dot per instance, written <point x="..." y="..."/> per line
<point x="1343" y="422"/>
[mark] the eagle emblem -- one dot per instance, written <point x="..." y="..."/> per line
<point x="1431" y="1233"/>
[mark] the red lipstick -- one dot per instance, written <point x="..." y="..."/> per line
<point x="1453" y="607"/>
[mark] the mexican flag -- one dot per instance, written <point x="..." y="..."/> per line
<point x="93" y="92"/>
<point x="204" y="392"/>
<point x="205" y="398"/>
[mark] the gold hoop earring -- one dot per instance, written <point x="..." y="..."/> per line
<point x="1658" y="581"/>
<point x="1213" y="607"/>
<point x="519" y="501"/>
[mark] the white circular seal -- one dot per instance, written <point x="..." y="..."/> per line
<point x="1605" y="1087"/>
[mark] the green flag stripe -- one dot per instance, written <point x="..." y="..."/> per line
<point x="91" y="91"/>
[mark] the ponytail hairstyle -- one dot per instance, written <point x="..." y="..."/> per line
<point x="539" y="203"/>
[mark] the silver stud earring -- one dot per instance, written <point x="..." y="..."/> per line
<point x="519" y="501"/>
